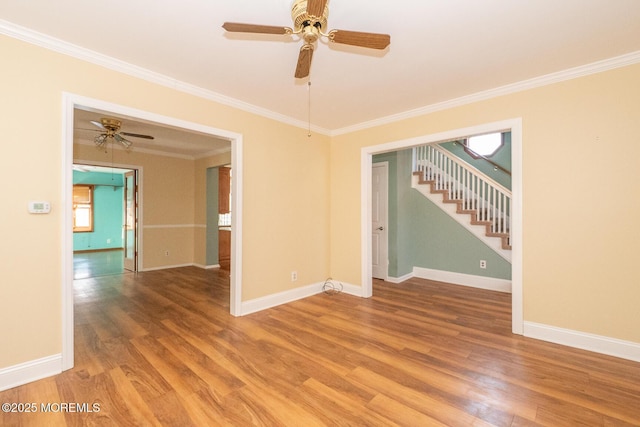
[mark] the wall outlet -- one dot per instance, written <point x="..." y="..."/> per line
<point x="166" y="253"/>
<point x="108" y="240"/>
<point x="483" y="263"/>
<point x="294" y="276"/>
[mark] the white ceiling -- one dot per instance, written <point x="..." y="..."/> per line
<point x="440" y="49"/>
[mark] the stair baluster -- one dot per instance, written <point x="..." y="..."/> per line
<point x="486" y="201"/>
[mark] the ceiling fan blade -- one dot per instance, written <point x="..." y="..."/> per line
<point x="136" y="135"/>
<point x="357" y="38"/>
<point x="93" y="122"/>
<point x="316" y="7"/>
<point x="236" y="27"/>
<point x="304" y="61"/>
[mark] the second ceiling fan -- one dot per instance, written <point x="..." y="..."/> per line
<point x="310" y="22"/>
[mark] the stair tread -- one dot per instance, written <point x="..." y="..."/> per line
<point x="488" y="223"/>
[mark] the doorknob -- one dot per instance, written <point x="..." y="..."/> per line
<point x="380" y="228"/>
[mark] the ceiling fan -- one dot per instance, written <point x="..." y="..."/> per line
<point x="111" y="130"/>
<point x="310" y="21"/>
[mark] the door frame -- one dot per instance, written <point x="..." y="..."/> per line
<point x="366" y="162"/>
<point x="136" y="218"/>
<point x="72" y="101"/>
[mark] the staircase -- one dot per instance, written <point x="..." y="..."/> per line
<point x="473" y="199"/>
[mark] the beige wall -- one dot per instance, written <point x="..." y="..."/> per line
<point x="302" y="195"/>
<point x="581" y="234"/>
<point x="167" y="200"/>
<point x="285" y="208"/>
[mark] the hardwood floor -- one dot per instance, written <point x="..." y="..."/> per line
<point x="97" y="263"/>
<point x="159" y="348"/>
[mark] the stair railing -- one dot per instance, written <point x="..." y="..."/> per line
<point x="460" y="181"/>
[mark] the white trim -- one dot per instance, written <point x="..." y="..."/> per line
<point x="237" y="203"/>
<point x="69" y="103"/>
<point x="547" y="79"/>
<point x="146" y="227"/>
<point x="366" y="156"/>
<point x="400" y="279"/>
<point x="191" y="264"/>
<point x="273" y="300"/>
<point x="591" y="342"/>
<point x="164" y="267"/>
<point x="21" y="33"/>
<point x="67" y="322"/>
<point x="27" y="372"/>
<point x="481" y="282"/>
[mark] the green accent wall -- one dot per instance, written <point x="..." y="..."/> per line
<point x="108" y="195"/>
<point x="212" y="216"/>
<point x="423" y="235"/>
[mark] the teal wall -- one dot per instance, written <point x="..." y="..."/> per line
<point x="212" y="216"/>
<point x="108" y="195"/>
<point x="422" y="235"/>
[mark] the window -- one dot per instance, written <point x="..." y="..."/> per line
<point x="484" y="145"/>
<point x="82" y="208"/>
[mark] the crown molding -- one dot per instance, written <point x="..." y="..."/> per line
<point x="547" y="79"/>
<point x="57" y="45"/>
<point x="65" y="48"/>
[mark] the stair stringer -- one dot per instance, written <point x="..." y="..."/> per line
<point x="478" y="230"/>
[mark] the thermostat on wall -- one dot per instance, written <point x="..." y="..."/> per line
<point x="39" y="207"/>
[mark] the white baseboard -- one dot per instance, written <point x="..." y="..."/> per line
<point x="399" y="279"/>
<point x="164" y="267"/>
<point x="482" y="282"/>
<point x="274" y="300"/>
<point x="596" y="343"/>
<point x="354" y="290"/>
<point x="34" y="370"/>
<point x="207" y="266"/>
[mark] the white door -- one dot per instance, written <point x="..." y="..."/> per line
<point x="130" y="221"/>
<point x="379" y="212"/>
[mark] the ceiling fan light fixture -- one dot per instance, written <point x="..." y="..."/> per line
<point x="122" y="140"/>
<point x="100" y="140"/>
<point x="111" y="131"/>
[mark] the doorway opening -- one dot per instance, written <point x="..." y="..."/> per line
<point x="513" y="125"/>
<point x="109" y="203"/>
<point x="219" y="217"/>
<point x="73" y="103"/>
